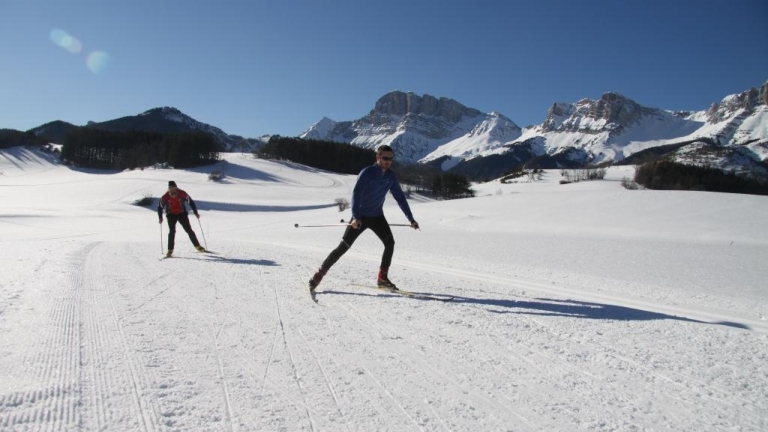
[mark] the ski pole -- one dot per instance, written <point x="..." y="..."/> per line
<point x="405" y="225"/>
<point x="203" y="233"/>
<point x="340" y="224"/>
<point x="318" y="226"/>
<point x="161" y="236"/>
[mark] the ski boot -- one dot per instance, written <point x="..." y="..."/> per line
<point x="383" y="282"/>
<point x="314" y="281"/>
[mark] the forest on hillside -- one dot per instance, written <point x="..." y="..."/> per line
<point x="95" y="148"/>
<point x="349" y="159"/>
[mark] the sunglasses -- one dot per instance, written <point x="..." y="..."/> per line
<point x="387" y="158"/>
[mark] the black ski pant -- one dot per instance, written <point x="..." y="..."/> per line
<point x="380" y="227"/>
<point x="183" y="219"/>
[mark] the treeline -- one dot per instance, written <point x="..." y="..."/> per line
<point x="349" y="159"/>
<point x="666" y="175"/>
<point x="96" y="148"/>
<point x="431" y="180"/>
<point x="326" y="155"/>
<point x="451" y="186"/>
<point x="13" y="138"/>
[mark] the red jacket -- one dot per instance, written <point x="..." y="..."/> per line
<point x="175" y="205"/>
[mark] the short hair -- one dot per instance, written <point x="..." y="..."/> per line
<point x="383" y="148"/>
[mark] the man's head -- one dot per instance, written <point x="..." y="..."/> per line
<point x="172" y="187"/>
<point x="384" y="156"/>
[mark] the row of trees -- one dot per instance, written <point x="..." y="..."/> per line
<point x="451" y="186"/>
<point x="95" y="148"/>
<point x="13" y="138"/>
<point x="326" y="155"/>
<point x="349" y="159"/>
<point x="666" y="175"/>
<point x="577" y="175"/>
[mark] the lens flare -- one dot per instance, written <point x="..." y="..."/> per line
<point x="97" y="62"/>
<point x="66" y="41"/>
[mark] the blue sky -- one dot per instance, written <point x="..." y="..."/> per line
<point x="276" y="67"/>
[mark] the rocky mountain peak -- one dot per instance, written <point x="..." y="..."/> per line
<point x="764" y="93"/>
<point x="615" y="108"/>
<point x="401" y="104"/>
<point x="746" y="100"/>
<point x="610" y="112"/>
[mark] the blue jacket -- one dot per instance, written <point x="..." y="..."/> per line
<point x="371" y="190"/>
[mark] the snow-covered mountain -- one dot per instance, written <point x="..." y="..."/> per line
<point x="731" y="134"/>
<point x="421" y="128"/>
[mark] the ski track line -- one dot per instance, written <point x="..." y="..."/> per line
<point x="320" y="365"/>
<point x="549" y="288"/>
<point x="429" y="368"/>
<point x="561" y="366"/>
<point x="293" y="363"/>
<point x="214" y="348"/>
<point x="437" y="416"/>
<point x="146" y="421"/>
<point x="222" y="377"/>
<point x="262" y="378"/>
<point x="663" y="378"/>
<point x="381" y="386"/>
<point x="72" y="392"/>
<point x="328" y="322"/>
<point x="327" y="381"/>
<point x="522" y="361"/>
<point x="564" y="367"/>
<point x="703" y="387"/>
<point x="55" y="367"/>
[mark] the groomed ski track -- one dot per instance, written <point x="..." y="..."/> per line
<point x="233" y="342"/>
<point x="578" y="307"/>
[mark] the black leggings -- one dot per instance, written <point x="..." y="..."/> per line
<point x="183" y="219"/>
<point x="377" y="224"/>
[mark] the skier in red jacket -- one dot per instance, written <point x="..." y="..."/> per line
<point x="175" y="202"/>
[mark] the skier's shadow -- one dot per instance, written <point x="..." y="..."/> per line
<point x="580" y="309"/>
<point x="560" y="308"/>
<point x="230" y="260"/>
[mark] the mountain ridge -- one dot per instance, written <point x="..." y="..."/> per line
<point x="731" y="134"/>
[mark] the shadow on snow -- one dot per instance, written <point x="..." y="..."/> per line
<point x="220" y="206"/>
<point x="228" y="260"/>
<point x="557" y="308"/>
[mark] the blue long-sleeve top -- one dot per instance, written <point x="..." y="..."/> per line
<point x="371" y="190"/>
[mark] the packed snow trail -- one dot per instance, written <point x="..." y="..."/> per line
<point x="579" y="307"/>
<point x="232" y="341"/>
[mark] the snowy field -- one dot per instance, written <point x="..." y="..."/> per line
<point x="577" y="307"/>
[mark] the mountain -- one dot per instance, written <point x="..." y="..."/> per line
<point x="731" y="134"/>
<point x="420" y="126"/>
<point x="168" y="119"/>
<point x="55" y="131"/>
<point x="164" y="120"/>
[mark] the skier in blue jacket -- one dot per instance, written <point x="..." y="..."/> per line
<point x="368" y="197"/>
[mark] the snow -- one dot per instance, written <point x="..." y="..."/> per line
<point x="577" y="307"/>
<point x="487" y="137"/>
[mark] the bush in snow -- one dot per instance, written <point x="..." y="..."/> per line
<point x="342" y="203"/>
